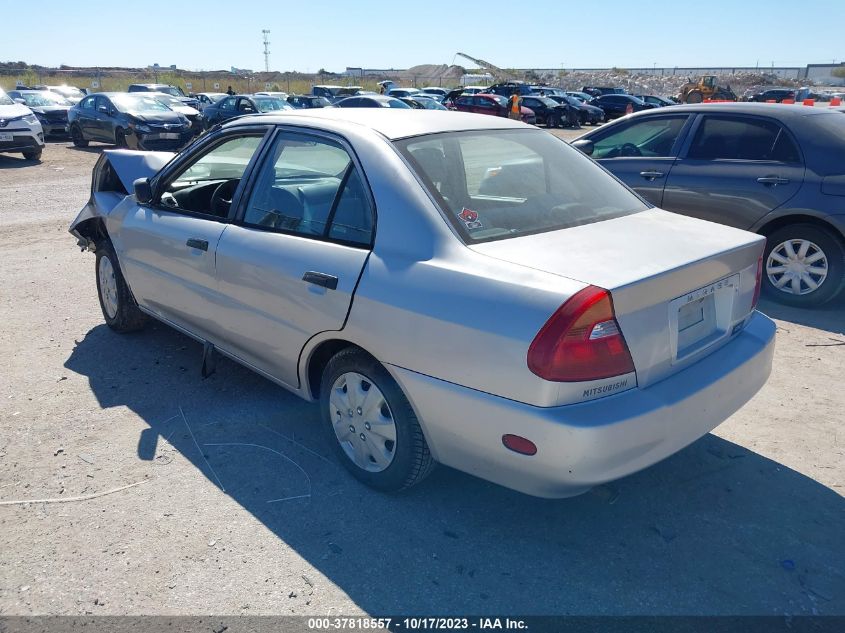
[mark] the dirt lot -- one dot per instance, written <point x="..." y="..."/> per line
<point x="748" y="520"/>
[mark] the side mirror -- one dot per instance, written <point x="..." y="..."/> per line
<point x="143" y="190"/>
<point x="21" y="101"/>
<point x="103" y="108"/>
<point x="585" y="145"/>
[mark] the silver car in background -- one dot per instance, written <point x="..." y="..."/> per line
<point x="450" y="287"/>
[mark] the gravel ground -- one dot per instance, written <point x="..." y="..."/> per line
<point x="748" y="520"/>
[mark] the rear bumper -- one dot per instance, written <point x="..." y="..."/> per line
<point x="582" y="445"/>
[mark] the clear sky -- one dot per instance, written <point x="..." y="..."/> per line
<point x="307" y="35"/>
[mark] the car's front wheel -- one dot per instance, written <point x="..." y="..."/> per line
<point x="77" y="137"/>
<point x="803" y="265"/>
<point x="371" y="424"/>
<point x="116" y="301"/>
<point x="119" y="137"/>
<point x="32" y="154"/>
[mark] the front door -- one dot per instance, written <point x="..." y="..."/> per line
<point x="736" y="170"/>
<point x="167" y="248"/>
<point x="290" y="266"/>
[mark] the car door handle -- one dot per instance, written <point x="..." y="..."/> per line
<point x="320" y="279"/>
<point x="773" y="180"/>
<point x="199" y="244"/>
<point x="652" y="175"/>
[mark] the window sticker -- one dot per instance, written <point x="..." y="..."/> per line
<point x="470" y="219"/>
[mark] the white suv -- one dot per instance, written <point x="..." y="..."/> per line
<point x="20" y="130"/>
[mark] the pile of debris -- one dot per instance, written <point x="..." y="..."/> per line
<point x="663" y="85"/>
<point x="431" y="74"/>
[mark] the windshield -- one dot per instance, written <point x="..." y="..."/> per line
<point x="497" y="184"/>
<point x="500" y="100"/>
<point x="169" y="100"/>
<point x="40" y="99"/>
<point x="138" y="103"/>
<point x="69" y="91"/>
<point x="549" y="103"/>
<point x="5" y="99"/>
<point x="270" y="104"/>
<point x="170" y="90"/>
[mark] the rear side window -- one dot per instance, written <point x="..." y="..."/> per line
<point x="310" y="186"/>
<point x="742" y="139"/>
<point x="496" y="184"/>
<point x="651" y="137"/>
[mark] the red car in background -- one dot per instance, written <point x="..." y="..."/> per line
<point x="496" y="105"/>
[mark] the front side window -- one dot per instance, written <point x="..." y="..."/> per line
<point x="310" y="186"/>
<point x="87" y="104"/>
<point x="208" y="185"/>
<point x="497" y="184"/>
<point x="651" y="137"/>
<point x="741" y="139"/>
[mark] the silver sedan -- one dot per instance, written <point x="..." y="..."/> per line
<point x="449" y="287"/>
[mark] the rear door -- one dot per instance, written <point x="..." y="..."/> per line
<point x="734" y="170"/>
<point x="289" y="267"/>
<point x="641" y="153"/>
<point x="167" y="248"/>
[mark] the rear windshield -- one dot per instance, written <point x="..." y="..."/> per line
<point x="497" y="184"/>
<point x="832" y="124"/>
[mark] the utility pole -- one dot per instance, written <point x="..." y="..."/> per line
<point x="266" y="33"/>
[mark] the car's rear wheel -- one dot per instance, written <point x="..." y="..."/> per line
<point x="119" y="137"/>
<point x="803" y="265"/>
<point x="77" y="137"/>
<point x="116" y="301"/>
<point x="372" y="427"/>
<point x="32" y="154"/>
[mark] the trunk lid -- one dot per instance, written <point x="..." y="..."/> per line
<point x="681" y="287"/>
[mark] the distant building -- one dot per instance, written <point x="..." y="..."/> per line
<point x="354" y="71"/>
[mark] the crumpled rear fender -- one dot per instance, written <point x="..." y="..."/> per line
<point x="111" y="182"/>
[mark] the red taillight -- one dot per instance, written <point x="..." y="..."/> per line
<point x="758" y="283"/>
<point x="581" y="341"/>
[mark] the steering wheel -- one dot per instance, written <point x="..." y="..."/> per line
<point x="221" y="199"/>
<point x="629" y="149"/>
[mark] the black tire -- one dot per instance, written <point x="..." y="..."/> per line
<point x="412" y="461"/>
<point x="127" y="317"/>
<point x="550" y="121"/>
<point x="77" y="137"/>
<point x="695" y="97"/>
<point x="32" y="154"/>
<point x="119" y="138"/>
<point x="827" y="243"/>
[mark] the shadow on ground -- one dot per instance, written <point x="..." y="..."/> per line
<point x="830" y="317"/>
<point x="16" y="161"/>
<point x="715" y="529"/>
